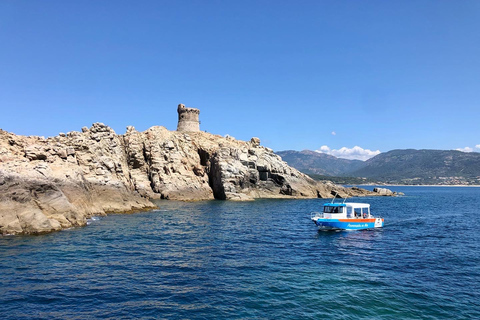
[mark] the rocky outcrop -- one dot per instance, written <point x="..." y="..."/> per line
<point x="386" y="192"/>
<point x="59" y="182"/>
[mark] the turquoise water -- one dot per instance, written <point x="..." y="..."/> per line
<point x="261" y="260"/>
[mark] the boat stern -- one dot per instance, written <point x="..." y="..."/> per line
<point x="379" y="222"/>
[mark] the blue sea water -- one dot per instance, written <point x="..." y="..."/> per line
<point x="254" y="260"/>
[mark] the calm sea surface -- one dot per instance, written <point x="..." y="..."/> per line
<point x="260" y="260"/>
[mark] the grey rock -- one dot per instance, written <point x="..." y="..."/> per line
<point x="62" y="153"/>
<point x="255" y="142"/>
<point x="35" y="152"/>
<point x="383" y="191"/>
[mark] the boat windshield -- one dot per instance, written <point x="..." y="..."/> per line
<point x="361" y="212"/>
<point x="329" y="209"/>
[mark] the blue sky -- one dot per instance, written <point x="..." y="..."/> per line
<point x="379" y="75"/>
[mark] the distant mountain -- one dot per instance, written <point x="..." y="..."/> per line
<point x="410" y="166"/>
<point x="312" y="162"/>
<point x="423" y="167"/>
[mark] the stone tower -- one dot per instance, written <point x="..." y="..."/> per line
<point x="188" y="119"/>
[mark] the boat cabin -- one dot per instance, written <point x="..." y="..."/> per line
<point x="347" y="210"/>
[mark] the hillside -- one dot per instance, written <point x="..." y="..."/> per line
<point x="409" y="166"/>
<point x="312" y="162"/>
<point x="423" y="167"/>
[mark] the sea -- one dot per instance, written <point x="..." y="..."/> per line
<point x="254" y="260"/>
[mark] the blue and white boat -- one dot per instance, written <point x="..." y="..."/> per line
<point x="346" y="216"/>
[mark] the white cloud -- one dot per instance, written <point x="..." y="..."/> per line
<point x="349" y="153"/>
<point x="466" y="149"/>
<point x="477" y="146"/>
<point x="324" y="149"/>
<point x="334" y="133"/>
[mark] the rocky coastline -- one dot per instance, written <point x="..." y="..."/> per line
<point x="49" y="184"/>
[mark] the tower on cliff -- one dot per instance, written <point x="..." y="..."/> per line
<point x="188" y="119"/>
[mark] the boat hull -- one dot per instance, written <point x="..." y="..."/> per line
<point x="348" y="224"/>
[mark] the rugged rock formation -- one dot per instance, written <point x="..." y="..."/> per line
<point x="386" y="192"/>
<point x="59" y="182"/>
<point x="55" y="183"/>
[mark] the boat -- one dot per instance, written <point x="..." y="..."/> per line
<point x="346" y="216"/>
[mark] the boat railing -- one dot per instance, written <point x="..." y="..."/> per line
<point x="316" y="214"/>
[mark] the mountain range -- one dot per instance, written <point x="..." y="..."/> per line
<point x="312" y="162"/>
<point x="409" y="166"/>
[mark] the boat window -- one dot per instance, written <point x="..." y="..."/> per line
<point x="349" y="212"/>
<point x="365" y="210"/>
<point x="358" y="212"/>
<point x="328" y="209"/>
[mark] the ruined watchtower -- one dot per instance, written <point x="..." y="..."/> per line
<point x="188" y="119"/>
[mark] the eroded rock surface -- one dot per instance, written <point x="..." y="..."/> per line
<point x="59" y="182"/>
<point x="386" y="192"/>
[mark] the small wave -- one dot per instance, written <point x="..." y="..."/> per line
<point x="90" y="220"/>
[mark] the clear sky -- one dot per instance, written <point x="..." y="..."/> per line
<point x="318" y="75"/>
